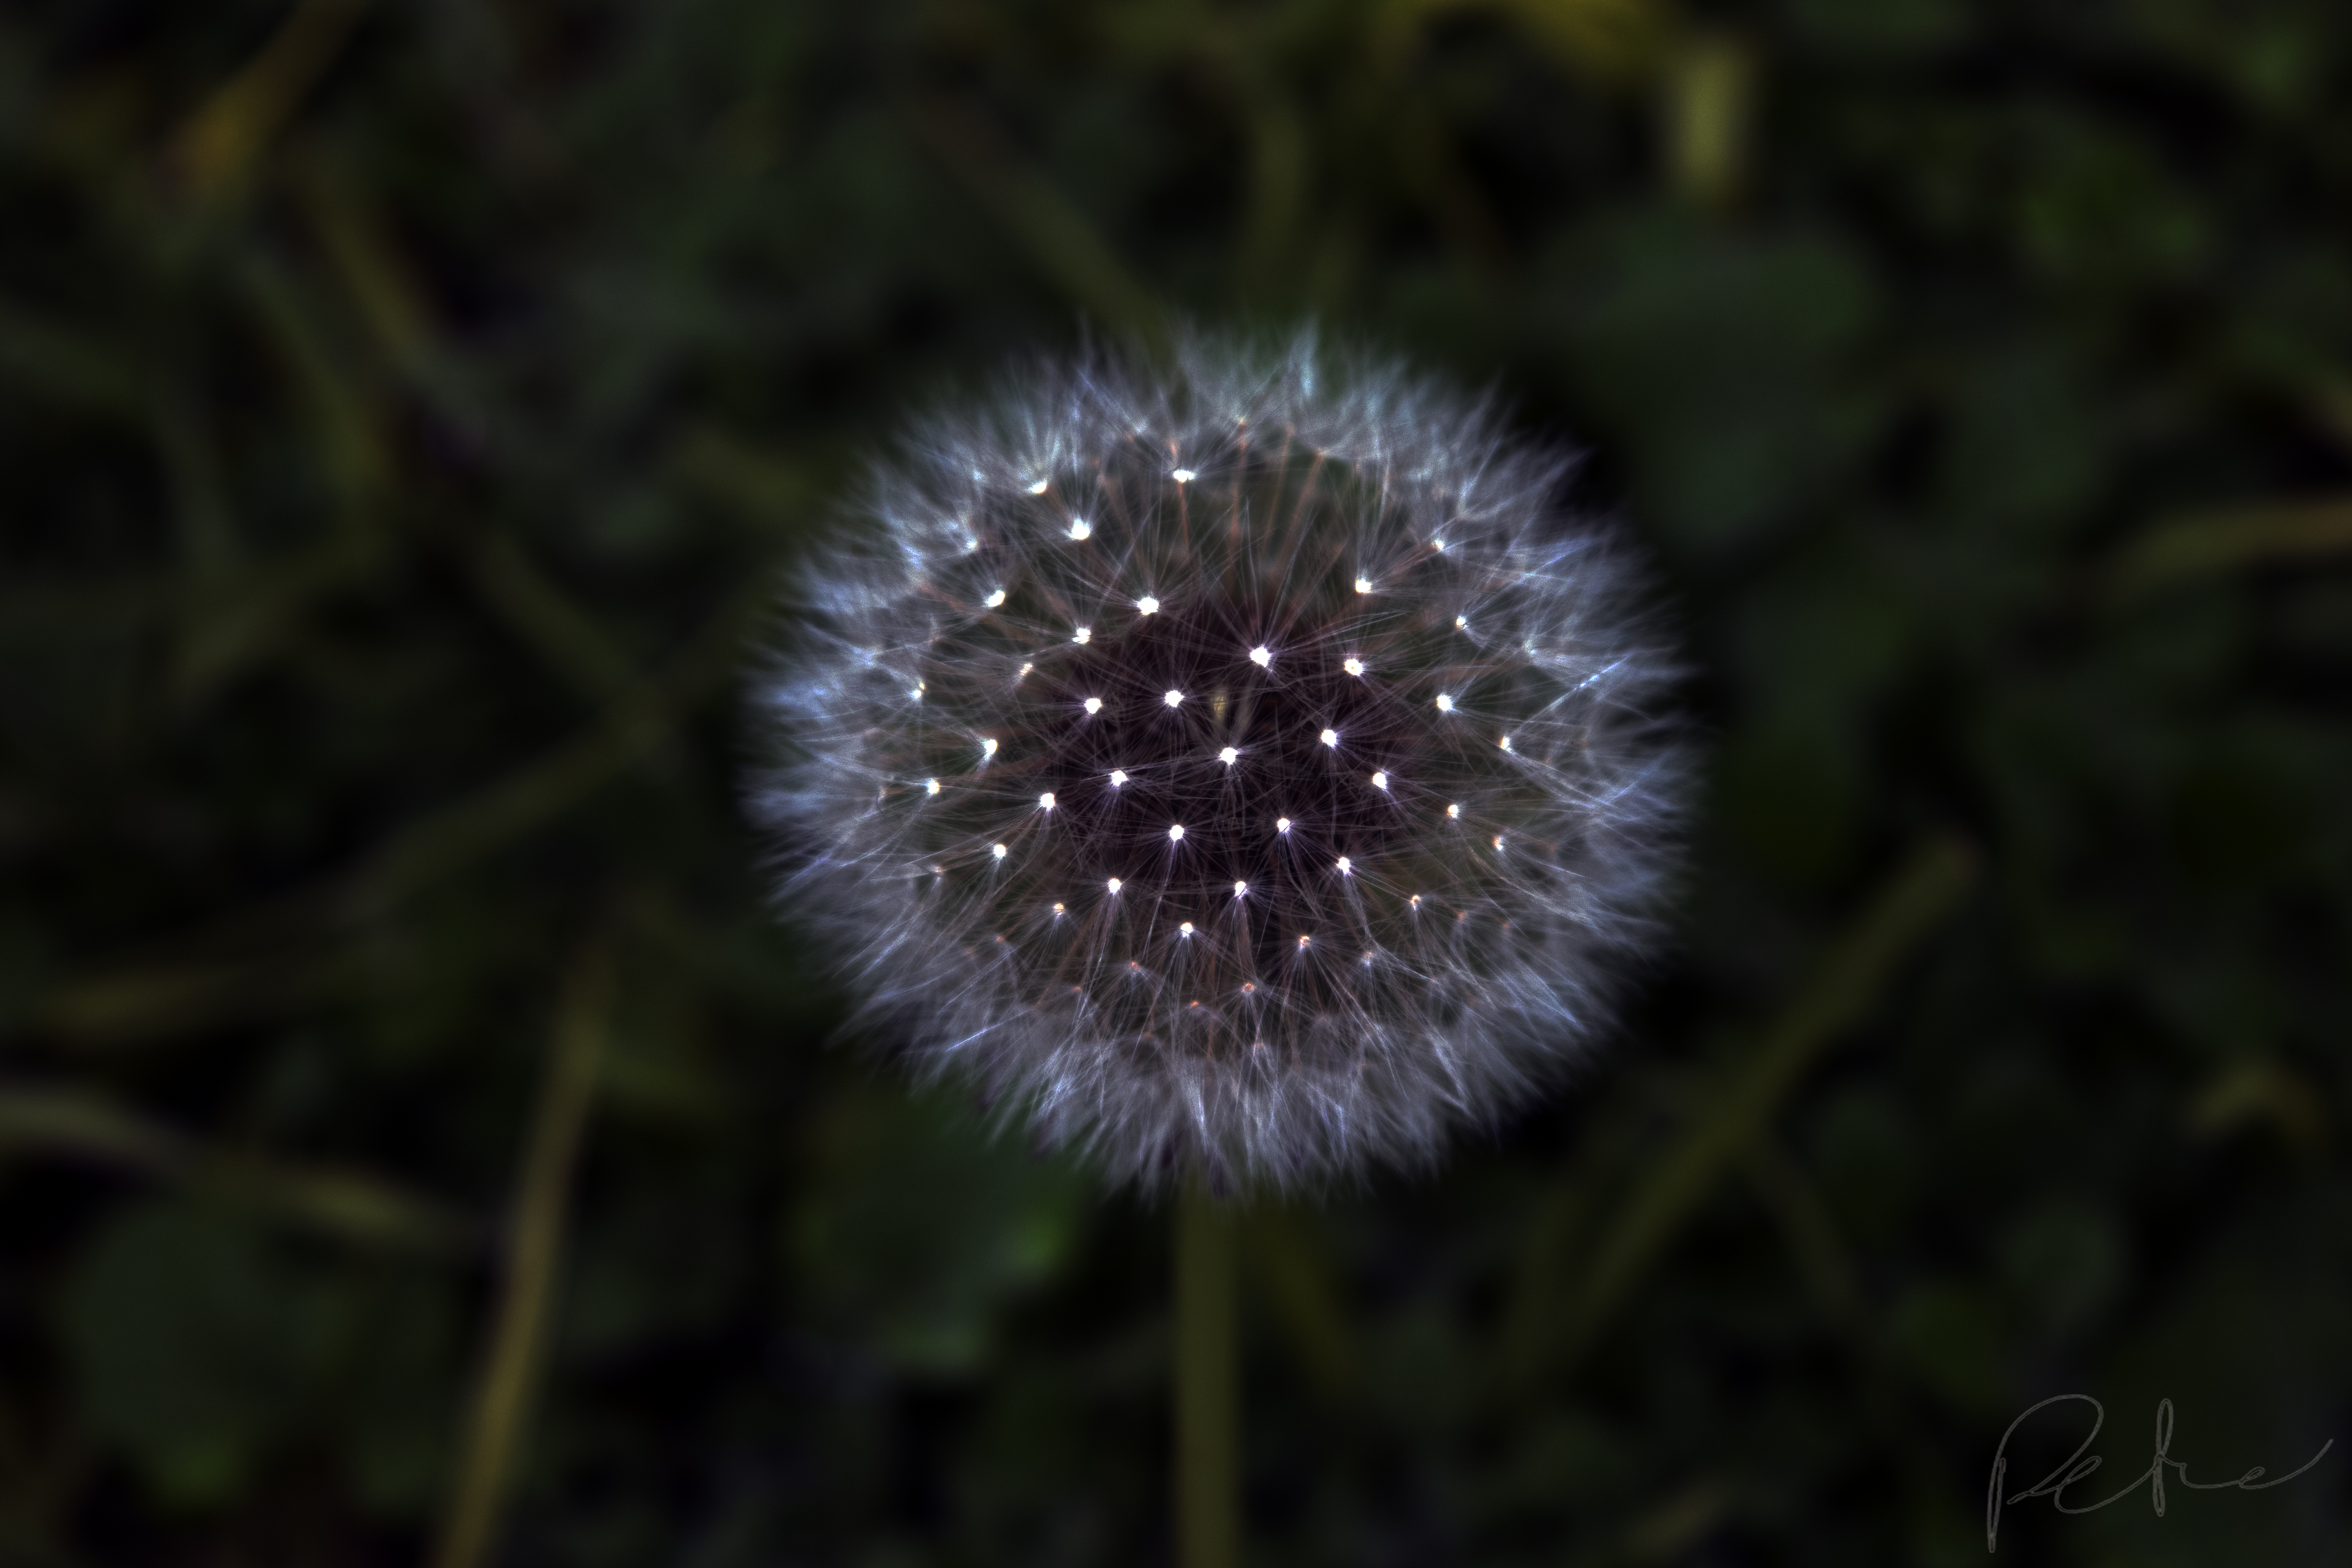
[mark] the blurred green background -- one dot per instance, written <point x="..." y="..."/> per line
<point x="417" y="1138"/>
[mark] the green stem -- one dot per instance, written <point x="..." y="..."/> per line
<point x="1208" y="1385"/>
<point x="494" y="1426"/>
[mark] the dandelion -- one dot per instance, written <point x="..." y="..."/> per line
<point x="1307" y="482"/>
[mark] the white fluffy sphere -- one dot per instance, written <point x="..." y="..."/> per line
<point x="1246" y="767"/>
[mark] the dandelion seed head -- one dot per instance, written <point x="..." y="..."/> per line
<point x="1249" y="1057"/>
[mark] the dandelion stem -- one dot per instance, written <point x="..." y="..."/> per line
<point x="1208" y="1385"/>
<point x="494" y="1424"/>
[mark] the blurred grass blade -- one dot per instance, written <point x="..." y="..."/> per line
<point x="1055" y="233"/>
<point x="343" y="1204"/>
<point x="1709" y="85"/>
<point x="243" y="620"/>
<point x="1837" y="997"/>
<point x="1820" y="1254"/>
<point x="344" y="409"/>
<point x="381" y="282"/>
<point x="132" y="1005"/>
<point x="77" y="1124"/>
<point x="82" y="1125"/>
<point x="493" y="1432"/>
<point x="218" y="142"/>
<point x="548" y="621"/>
<point x="2209" y="542"/>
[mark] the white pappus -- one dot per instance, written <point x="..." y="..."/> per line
<point x="1247" y="766"/>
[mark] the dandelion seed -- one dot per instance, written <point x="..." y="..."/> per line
<point x="1315" y="464"/>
